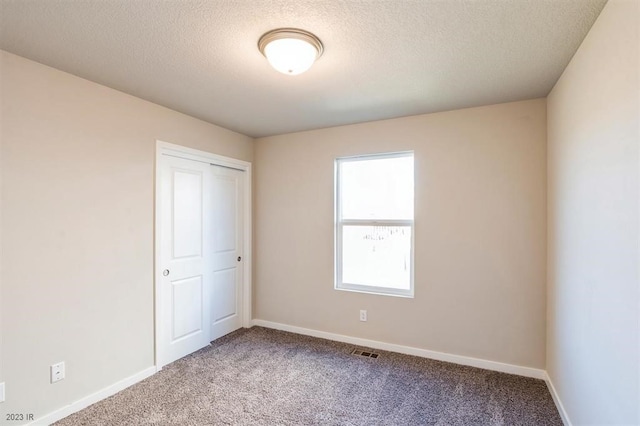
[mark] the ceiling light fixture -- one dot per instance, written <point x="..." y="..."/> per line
<point x="290" y="50"/>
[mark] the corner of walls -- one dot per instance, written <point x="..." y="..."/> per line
<point x="593" y="280"/>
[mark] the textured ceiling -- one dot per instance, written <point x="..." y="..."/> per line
<point x="382" y="58"/>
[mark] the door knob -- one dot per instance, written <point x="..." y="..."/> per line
<point x="239" y="258"/>
<point x="165" y="272"/>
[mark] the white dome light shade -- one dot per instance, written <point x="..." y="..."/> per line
<point x="289" y="50"/>
<point x="290" y="56"/>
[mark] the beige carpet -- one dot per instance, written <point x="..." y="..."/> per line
<point x="266" y="377"/>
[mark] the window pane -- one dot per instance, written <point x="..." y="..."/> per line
<point x="380" y="188"/>
<point x="378" y="256"/>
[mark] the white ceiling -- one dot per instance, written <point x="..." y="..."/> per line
<point x="382" y="58"/>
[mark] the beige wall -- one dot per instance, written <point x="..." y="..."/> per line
<point x="593" y="355"/>
<point x="480" y="247"/>
<point x="77" y="229"/>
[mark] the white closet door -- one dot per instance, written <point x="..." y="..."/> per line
<point x="185" y="257"/>
<point x="226" y="246"/>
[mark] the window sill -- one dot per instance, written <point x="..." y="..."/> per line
<point x="408" y="295"/>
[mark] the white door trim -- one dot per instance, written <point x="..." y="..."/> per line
<point x="166" y="148"/>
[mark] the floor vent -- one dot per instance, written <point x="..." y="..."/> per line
<point x="364" y="353"/>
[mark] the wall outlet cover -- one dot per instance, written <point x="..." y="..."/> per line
<point x="57" y="372"/>
<point x="363" y="315"/>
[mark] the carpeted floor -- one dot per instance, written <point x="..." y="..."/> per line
<point x="267" y="377"/>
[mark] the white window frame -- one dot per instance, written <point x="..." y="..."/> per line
<point x="339" y="224"/>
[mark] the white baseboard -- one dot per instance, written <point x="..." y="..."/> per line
<point x="556" y="399"/>
<point x="424" y="353"/>
<point x="82" y="403"/>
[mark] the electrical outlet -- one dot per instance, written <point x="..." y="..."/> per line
<point x="363" y="315"/>
<point x="2" y="392"/>
<point x="57" y="372"/>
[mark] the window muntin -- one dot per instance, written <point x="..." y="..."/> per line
<point x="374" y="223"/>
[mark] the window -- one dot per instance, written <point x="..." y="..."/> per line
<point x="374" y="224"/>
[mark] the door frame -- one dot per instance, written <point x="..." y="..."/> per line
<point x="166" y="148"/>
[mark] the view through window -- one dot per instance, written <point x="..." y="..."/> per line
<point x="374" y="223"/>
